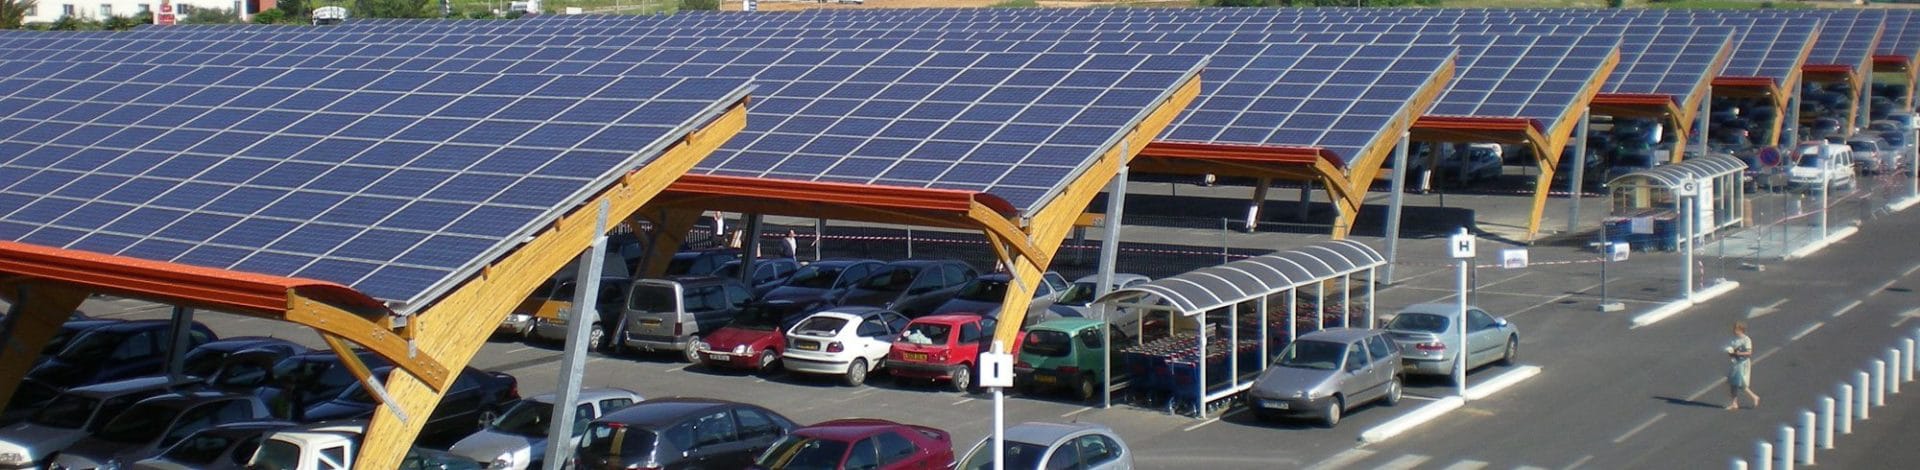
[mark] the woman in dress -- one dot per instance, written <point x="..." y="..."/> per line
<point x="1740" y="374"/>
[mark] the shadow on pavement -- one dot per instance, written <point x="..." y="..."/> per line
<point x="1686" y="402"/>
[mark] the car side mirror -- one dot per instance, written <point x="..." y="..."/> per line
<point x="1500" y="322"/>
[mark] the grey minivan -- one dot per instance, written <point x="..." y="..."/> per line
<point x="672" y="314"/>
<point x="1325" y="373"/>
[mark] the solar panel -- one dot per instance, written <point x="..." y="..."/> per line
<point x="1533" y="77"/>
<point x="337" y="175"/>
<point x="1902" y="36"/>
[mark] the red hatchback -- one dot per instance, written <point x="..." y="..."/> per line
<point x="755" y="339"/>
<point x="862" y="444"/>
<point x="941" y="347"/>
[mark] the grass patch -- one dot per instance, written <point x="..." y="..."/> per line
<point x="1015" y="4"/>
<point x="617" y="7"/>
<point x="1730" y="4"/>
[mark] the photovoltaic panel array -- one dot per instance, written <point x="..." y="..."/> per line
<point x="1902" y="36"/>
<point x="1538" y="78"/>
<point x="399" y="184"/>
<point x="1848" y="37"/>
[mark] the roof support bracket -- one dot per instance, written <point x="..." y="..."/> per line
<point x="360" y="372"/>
<point x="333" y="322"/>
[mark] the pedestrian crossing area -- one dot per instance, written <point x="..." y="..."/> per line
<point x="1365" y="459"/>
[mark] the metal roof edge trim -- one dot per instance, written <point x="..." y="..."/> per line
<point x="174" y="282"/>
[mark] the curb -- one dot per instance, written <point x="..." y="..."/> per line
<point x="1903" y="204"/>
<point x="1407" y="421"/>
<point x="1677" y="306"/>
<point x="1495" y="385"/>
<point x="1832" y="238"/>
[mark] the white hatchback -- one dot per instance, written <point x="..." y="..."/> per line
<point x="848" y="342"/>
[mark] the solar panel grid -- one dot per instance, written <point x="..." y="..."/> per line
<point x="1902" y="35"/>
<point x="317" y="173"/>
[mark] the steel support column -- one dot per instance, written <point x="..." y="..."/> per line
<point x="573" y="358"/>
<point x="1576" y="183"/>
<point x="1395" y="204"/>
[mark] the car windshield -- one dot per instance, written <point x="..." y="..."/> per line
<point x="926" y="333"/>
<point x="69" y="411"/>
<point x="820" y="326"/>
<point x="246" y="373"/>
<point x="758" y="317"/>
<point x="141" y="423"/>
<point x="803" y="453"/>
<point x="1080" y="295"/>
<point x="1421" y="322"/>
<point x="1309" y="354"/>
<point x="31" y="395"/>
<point x="983" y="290"/>
<point x="1047" y="343"/>
<point x="815" y="276"/>
<point x="90" y="347"/>
<point x="276" y="455"/>
<point x="202" y="362"/>
<point x="1862" y="146"/>
<point x="601" y="437"/>
<point x="651" y="298"/>
<point x="1811" y="161"/>
<point x="57" y="344"/>
<point x="889" y="279"/>
<point x="203" y="448"/>
<point x="1020" y="456"/>
<point x="527" y="418"/>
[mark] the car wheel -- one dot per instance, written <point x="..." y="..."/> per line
<point x="767" y="361"/>
<point x="856" y="373"/>
<point x="1393" y="391"/>
<point x="1513" y="351"/>
<point x="1083" y="389"/>
<point x="962" y="378"/>
<point x="692" y="353"/>
<point x="1331" y="417"/>
<point x="597" y="338"/>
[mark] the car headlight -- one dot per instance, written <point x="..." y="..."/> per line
<point x="503" y="462"/>
<point x="740" y="349"/>
<point x="112" y="464"/>
<point x="14" y="459"/>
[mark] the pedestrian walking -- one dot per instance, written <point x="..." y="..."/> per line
<point x="1740" y="371"/>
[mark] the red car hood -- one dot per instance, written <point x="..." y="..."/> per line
<point x="726" y="338"/>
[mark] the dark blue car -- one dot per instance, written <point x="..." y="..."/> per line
<point x="113" y="352"/>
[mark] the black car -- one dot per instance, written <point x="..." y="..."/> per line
<point x="911" y="287"/>
<point x="824" y="280"/>
<point x="768" y="273"/>
<point x="28" y="397"/>
<point x="474" y="394"/>
<point x="206" y="360"/>
<point x="681" y="433"/>
<point x="113" y="352"/>
<point x="298" y="382"/>
<point x="68" y="331"/>
<point x="700" y="263"/>
<point x="156" y="423"/>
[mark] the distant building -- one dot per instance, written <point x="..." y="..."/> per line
<point x="49" y="11"/>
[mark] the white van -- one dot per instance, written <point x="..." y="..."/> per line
<point x="1835" y="166"/>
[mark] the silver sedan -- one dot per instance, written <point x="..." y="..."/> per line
<point x="1429" y="336"/>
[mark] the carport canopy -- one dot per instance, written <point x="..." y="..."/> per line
<point x="1670" y="176"/>
<point x="1199" y="291"/>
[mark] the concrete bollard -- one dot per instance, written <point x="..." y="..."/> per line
<point x="1806" y="437"/>
<point x="1785" y="448"/>
<point x="1893" y="374"/>
<point x="1846" y="409"/>
<point x="1861" y="391"/>
<point x="1826" y="422"/>
<point x="1738" y="464"/>
<point x="1879" y="382"/>
<point x="1763" y="455"/>
<point x="1906" y="351"/>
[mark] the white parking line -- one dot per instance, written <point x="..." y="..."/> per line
<point x="1884" y="287"/>
<point x="1807" y="331"/>
<point x="1404" y="462"/>
<point x="1703" y="390"/>
<point x="1467" y="465"/>
<point x="1416" y="397"/>
<point x="1202" y="423"/>
<point x="1342" y="459"/>
<point x="962" y="401"/>
<point x="1909" y="271"/>
<point x="1577" y="463"/>
<point x="1763" y="356"/>
<point x="1848" y="308"/>
<point x="1636" y="429"/>
<point x="520" y="350"/>
<point x="868" y="390"/>
<point x="1555" y="299"/>
<point x="1075" y="412"/>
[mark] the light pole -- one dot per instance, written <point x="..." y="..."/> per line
<point x="1461" y="247"/>
<point x="1826" y="184"/>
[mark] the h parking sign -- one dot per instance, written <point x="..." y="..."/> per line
<point x="1461" y="244"/>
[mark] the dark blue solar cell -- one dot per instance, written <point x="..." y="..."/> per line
<point x="443" y="251"/>
<point x="302" y="205"/>
<point x="599" y="111"/>
<point x="310" y="100"/>
<point x="537" y="192"/>
<point x="268" y="262"/>
<point x="493" y="133"/>
<point x="347" y="179"/>
<point x="333" y="150"/>
<point x="391" y="153"/>
<point x="145" y="220"/>
<point x="213" y="256"/>
<point x="313" y="239"/>
<point x="199" y="227"/>
<point x="427" y="215"/>
<point x="374" y="245"/>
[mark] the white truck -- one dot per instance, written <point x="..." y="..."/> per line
<point x="332" y="446"/>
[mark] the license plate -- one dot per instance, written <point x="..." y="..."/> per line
<point x="719" y="357"/>
<point x="915" y="356"/>
<point x="807" y="346"/>
<point x="650" y="321"/>
<point x="1045" y="379"/>
<point x="1278" y="405"/>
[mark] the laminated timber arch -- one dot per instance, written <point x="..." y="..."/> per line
<point x="1025" y="243"/>
<point x="48" y="283"/>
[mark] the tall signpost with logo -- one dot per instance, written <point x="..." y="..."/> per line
<point x="165" y="16"/>
<point x="1460" y="245"/>
<point x="1686" y="192"/>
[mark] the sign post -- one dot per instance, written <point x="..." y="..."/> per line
<point x="165" y="16"/>
<point x="996" y="372"/>
<point x="1461" y="247"/>
<point x="1685" y="192"/>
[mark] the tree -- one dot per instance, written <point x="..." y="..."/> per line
<point x="699" y="4"/>
<point x="13" y="13"/>
<point x="391" y="9"/>
<point x="120" y="23"/>
<point x="295" y="8"/>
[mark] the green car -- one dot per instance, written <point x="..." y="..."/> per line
<point x="1067" y="352"/>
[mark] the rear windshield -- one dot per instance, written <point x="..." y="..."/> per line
<point x="66" y="412"/>
<point x="1020" y="455"/>
<point x="202" y="448"/>
<point x="1423" y="322"/>
<point x="92" y="346"/>
<point x="651" y="298"/>
<point x="926" y="333"/>
<point x="276" y="454"/>
<point x="815" y="276"/>
<point x="890" y="279"/>
<point x="1081" y="294"/>
<point x="803" y="453"/>
<point x="1862" y="146"/>
<point x="141" y="423"/>
<point x="982" y="290"/>
<point x="601" y="438"/>
<point x="202" y="362"/>
<point x="1048" y="343"/>
<point x="820" y="326"/>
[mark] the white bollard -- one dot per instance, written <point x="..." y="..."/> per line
<point x="1826" y="422"/>
<point x="1806" y="437"/>
<point x="1879" y="382"/>
<point x="1763" y="455"/>
<point x="1738" y="464"/>
<point x="1786" y="448"/>
<point x="1906" y="351"/>
<point x="1846" y="409"/>
<point x="1893" y="373"/>
<point x="1862" y="388"/>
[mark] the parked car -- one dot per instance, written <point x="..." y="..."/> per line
<point x="911" y="287"/>
<point x="72" y="416"/>
<point x="28" y="397"/>
<point x="1872" y="155"/>
<point x="113" y="352"/>
<point x="768" y="273"/>
<point x="824" y="280"/>
<point x="701" y="262"/>
<point x="517" y="439"/>
<point x="1068" y="352"/>
<point x="73" y="328"/>
<point x="1834" y="168"/>
<point x="1077" y="301"/>
<point x="153" y="424"/>
<point x="941" y="347"/>
<point x="1479" y="162"/>
<point x="553" y="300"/>
<point x="303" y="380"/>
<point x="846" y="341"/>
<point x="250" y="370"/>
<point x="985" y="294"/>
<point x="674" y="314"/>
<point x="1036" y="446"/>
<point x="205" y="361"/>
<point x="223" y="447"/>
<point x="473" y="395"/>
<point x="333" y="446"/>
<point x="859" y="444"/>
<point x="1325" y="373"/>
<point x="680" y="433"/>
<point x="757" y="336"/>
<point x="1429" y="338"/>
